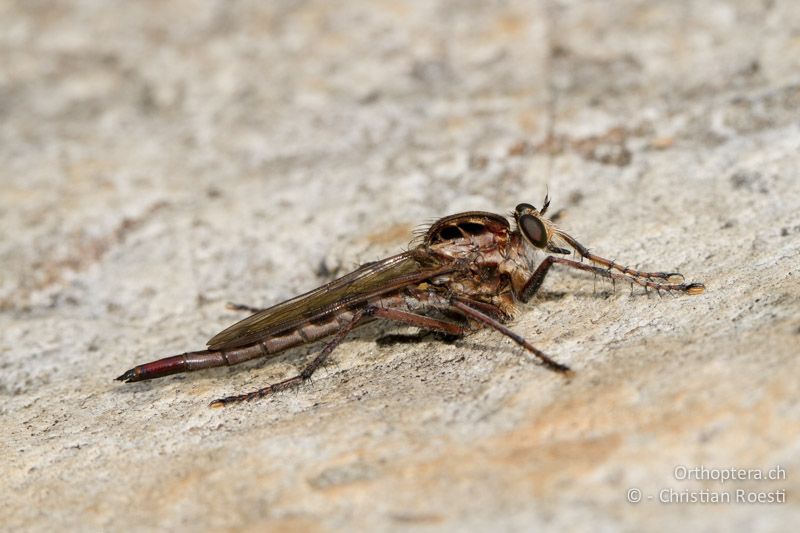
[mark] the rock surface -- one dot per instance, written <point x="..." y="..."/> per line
<point x="160" y="159"/>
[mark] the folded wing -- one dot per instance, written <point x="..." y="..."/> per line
<point x="368" y="281"/>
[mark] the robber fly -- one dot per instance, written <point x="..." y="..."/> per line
<point x="468" y="271"/>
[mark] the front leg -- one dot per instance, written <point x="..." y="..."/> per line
<point x="624" y="274"/>
<point x="610" y="264"/>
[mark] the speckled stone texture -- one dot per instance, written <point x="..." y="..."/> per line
<point x="158" y="159"/>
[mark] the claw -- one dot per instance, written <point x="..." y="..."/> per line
<point x="695" y="288"/>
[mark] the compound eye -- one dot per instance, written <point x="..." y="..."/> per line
<point x="534" y="230"/>
<point x="524" y="208"/>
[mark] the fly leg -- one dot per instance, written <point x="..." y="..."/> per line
<point x="241" y="307"/>
<point x="443" y="330"/>
<point x="412" y="338"/>
<point x="471" y="312"/>
<point x="610" y="264"/>
<point x="420" y="321"/>
<point x="624" y="274"/>
<point x="303" y="375"/>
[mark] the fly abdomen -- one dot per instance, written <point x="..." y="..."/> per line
<point x="174" y="365"/>
<point x="189" y="361"/>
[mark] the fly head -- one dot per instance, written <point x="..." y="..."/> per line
<point x="533" y="226"/>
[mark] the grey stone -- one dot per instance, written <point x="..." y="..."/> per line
<point x="160" y="159"/>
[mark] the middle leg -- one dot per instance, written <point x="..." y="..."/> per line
<point x="473" y="313"/>
<point x="420" y="321"/>
<point x="445" y="330"/>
